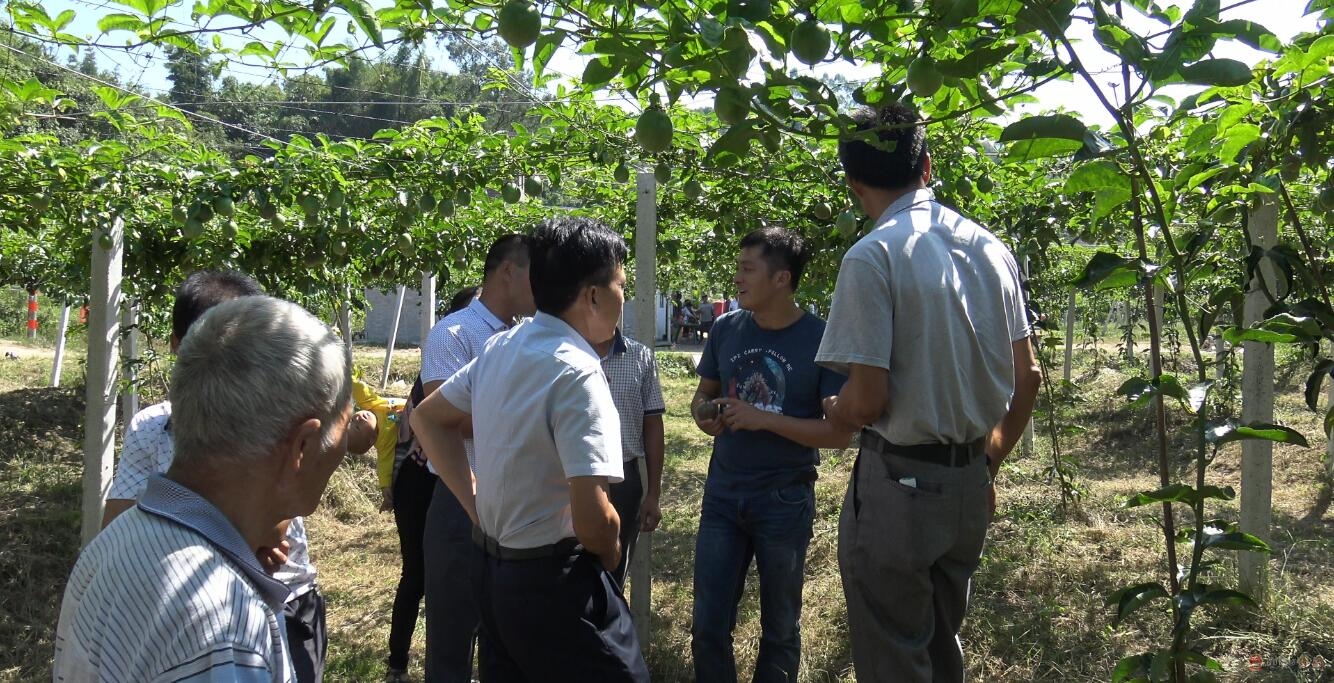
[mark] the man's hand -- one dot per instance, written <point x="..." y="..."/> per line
<point x="711" y="422"/>
<point x="739" y="415"/>
<point x="386" y="499"/>
<point x="835" y="416"/>
<point x="271" y="558"/>
<point x="650" y="513"/>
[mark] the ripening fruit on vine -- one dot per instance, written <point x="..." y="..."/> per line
<point x="653" y="130"/>
<point x="445" y="208"/>
<point x="731" y="104"/>
<point x="965" y="188"/>
<point x="985" y="185"/>
<point x="335" y="199"/>
<point x="510" y="193"/>
<point x="41" y="202"/>
<point x="924" y="78"/>
<point x="533" y="186"/>
<point x="224" y="206"/>
<point x="823" y="211"/>
<point x="622" y="173"/>
<point x="519" y="24"/>
<point x="178" y="215"/>
<point x="405" y="245"/>
<point x="846" y="223"/>
<point x="192" y="229"/>
<point x="809" y="42"/>
<point x="309" y="203"/>
<point x="753" y="11"/>
<point x="426" y="202"/>
<point x="662" y="173"/>
<point x="463" y="197"/>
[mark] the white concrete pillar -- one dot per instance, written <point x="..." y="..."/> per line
<point x="1069" y="336"/>
<point x="393" y="337"/>
<point x="1257" y="404"/>
<point x="428" y="306"/>
<point x="99" y="441"/>
<point x="129" y="398"/>
<point x="646" y="241"/>
<point x="59" y="361"/>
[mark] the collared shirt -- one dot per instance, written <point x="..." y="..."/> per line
<point x="171" y="592"/>
<point x="936" y="300"/>
<point x="454" y="341"/>
<point x="632" y="374"/>
<point x="542" y="413"/>
<point x="148" y="451"/>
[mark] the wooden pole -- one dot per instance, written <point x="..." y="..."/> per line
<point x="60" y="347"/>
<point x="99" y="440"/>
<point x="1069" y="337"/>
<point x="1257" y="405"/>
<point x="428" y="305"/>
<point x="646" y="287"/>
<point x="129" y="399"/>
<point x="393" y="337"/>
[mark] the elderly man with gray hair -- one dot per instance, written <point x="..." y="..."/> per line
<point x="261" y="399"/>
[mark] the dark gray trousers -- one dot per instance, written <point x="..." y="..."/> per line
<point x="906" y="555"/>
<point x="626" y="497"/>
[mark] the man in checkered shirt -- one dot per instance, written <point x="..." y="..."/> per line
<point x="632" y="374"/>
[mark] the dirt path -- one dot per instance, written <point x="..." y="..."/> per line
<point x="11" y="350"/>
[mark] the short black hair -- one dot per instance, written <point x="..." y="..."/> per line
<point x="781" y="249"/>
<point x="512" y="247"/>
<point x="902" y="158"/>
<point x="569" y="253"/>
<point x="462" y="298"/>
<point x="204" y="289"/>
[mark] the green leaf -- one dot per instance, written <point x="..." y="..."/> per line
<point x="1323" y="368"/>
<point x="1132" y="669"/>
<point x="710" y="32"/>
<point x="1099" y="174"/>
<point x="1280" y="329"/>
<point x="119" y="22"/>
<point x="1217" y="72"/>
<point x="1238" y="137"/>
<point x="1110" y="271"/>
<point x="1229" y="431"/>
<point x="1131" y="598"/>
<point x="362" y="13"/>
<point x="1250" y="33"/>
<point x="1175" y="493"/>
<point x="1057" y="126"/>
<point x="1235" y="540"/>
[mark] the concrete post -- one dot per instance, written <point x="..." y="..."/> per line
<point x="646" y="241"/>
<point x="1257" y="404"/>
<point x="60" y="347"/>
<point x="393" y="337"/>
<point x="427" y="306"/>
<point x="1069" y="336"/>
<point x="129" y="399"/>
<point x="99" y="441"/>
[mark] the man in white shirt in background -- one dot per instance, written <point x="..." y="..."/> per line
<point x="548" y="445"/>
<point x="451" y="617"/>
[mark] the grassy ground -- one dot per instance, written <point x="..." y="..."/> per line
<point x="1037" y="609"/>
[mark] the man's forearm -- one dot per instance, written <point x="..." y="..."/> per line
<point x="444" y="450"/>
<point x="813" y="432"/>
<point x="1011" y="428"/>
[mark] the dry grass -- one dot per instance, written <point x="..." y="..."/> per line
<point x="1037" y="612"/>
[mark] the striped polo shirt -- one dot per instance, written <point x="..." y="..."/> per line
<point x="170" y="591"/>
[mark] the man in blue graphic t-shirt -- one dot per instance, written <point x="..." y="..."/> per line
<point x="759" y="396"/>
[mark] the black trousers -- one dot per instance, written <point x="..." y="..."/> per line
<point x="626" y="497"/>
<point x="306" y="637"/>
<point x="412" y="496"/>
<point x="451" y="611"/>
<point x="553" y="620"/>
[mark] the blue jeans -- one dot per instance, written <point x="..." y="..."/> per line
<point x="774" y="528"/>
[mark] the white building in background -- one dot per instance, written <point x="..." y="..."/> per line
<point x="380" y="316"/>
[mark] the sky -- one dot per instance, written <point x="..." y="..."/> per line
<point x="1283" y="17"/>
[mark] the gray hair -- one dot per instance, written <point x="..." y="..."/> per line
<point x="249" y="371"/>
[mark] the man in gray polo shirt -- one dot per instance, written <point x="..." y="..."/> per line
<point x="261" y="398"/>
<point x="548" y="444"/>
<point x="929" y="324"/>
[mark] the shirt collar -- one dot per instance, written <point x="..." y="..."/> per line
<point x="490" y="318"/>
<point x="555" y="324"/>
<point x="918" y="196"/>
<point x="172" y="501"/>
<point x="618" y="345"/>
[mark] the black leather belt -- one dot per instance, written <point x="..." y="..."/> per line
<point x="492" y="547"/>
<point x="946" y="454"/>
